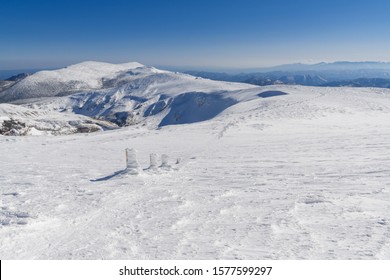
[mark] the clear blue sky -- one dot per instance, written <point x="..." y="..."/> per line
<point x="201" y="33"/>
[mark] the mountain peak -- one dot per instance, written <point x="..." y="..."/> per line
<point x="87" y="75"/>
<point x="104" y="66"/>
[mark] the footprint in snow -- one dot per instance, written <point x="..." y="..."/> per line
<point x="13" y="217"/>
<point x="11" y="194"/>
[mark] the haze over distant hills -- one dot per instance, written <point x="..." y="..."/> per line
<point x="342" y="73"/>
<point x="323" y="66"/>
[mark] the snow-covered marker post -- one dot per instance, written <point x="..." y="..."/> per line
<point x="132" y="166"/>
<point x="164" y="162"/>
<point x="153" y="162"/>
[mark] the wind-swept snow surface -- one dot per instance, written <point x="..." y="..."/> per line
<point x="294" y="173"/>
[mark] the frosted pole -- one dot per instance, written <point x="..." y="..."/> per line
<point x="164" y="162"/>
<point x="153" y="161"/>
<point x="132" y="165"/>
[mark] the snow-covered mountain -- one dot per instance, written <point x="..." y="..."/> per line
<point x="9" y="82"/>
<point x="122" y="94"/>
<point x="83" y="76"/>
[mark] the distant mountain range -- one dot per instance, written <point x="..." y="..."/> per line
<point x="362" y="82"/>
<point x="362" y="74"/>
<point x="325" y="66"/>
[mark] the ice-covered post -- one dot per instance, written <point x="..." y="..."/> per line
<point x="153" y="162"/>
<point x="164" y="162"/>
<point x="132" y="166"/>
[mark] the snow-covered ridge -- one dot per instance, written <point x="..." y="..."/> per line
<point x="77" y="77"/>
<point x="125" y="94"/>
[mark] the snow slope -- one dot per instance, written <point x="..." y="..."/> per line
<point x="286" y="172"/>
<point x="32" y="120"/>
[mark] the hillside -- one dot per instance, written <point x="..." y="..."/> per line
<point x="82" y="76"/>
<point x="137" y="95"/>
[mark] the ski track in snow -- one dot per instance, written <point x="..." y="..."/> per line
<point x="300" y="176"/>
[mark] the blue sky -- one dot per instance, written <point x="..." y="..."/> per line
<point x="201" y="34"/>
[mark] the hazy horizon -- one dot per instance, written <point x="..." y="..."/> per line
<point x="192" y="67"/>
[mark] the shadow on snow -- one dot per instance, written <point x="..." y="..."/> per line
<point x="115" y="174"/>
<point x="271" y="93"/>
